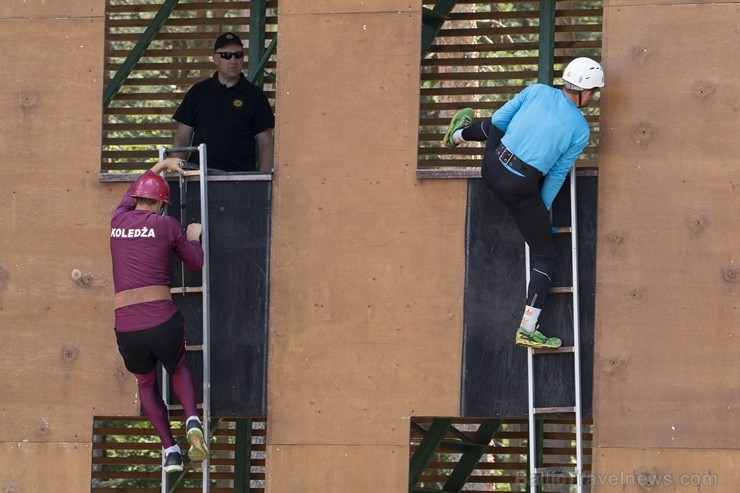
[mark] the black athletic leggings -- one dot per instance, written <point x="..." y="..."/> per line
<point x="521" y="194"/>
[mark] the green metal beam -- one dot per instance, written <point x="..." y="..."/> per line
<point x="257" y="23"/>
<point x="540" y="428"/>
<point x="545" y="71"/>
<point x="259" y="69"/>
<point x="432" y="21"/>
<point x="539" y="437"/>
<point x="243" y="455"/>
<point x="427" y="447"/>
<point x="133" y="57"/>
<point x="469" y="460"/>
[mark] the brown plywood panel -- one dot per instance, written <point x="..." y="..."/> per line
<point x="367" y="262"/>
<point x="50" y="9"/>
<point x="58" y="352"/>
<point x="293" y="7"/>
<point x="34" y="467"/>
<point x="677" y="3"/>
<point x="665" y="470"/>
<point x="312" y="469"/>
<point x="669" y="239"/>
<point x="62" y="372"/>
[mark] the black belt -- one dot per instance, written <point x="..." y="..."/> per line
<point x="507" y="157"/>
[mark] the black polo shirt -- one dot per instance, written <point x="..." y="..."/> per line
<point x="226" y="119"/>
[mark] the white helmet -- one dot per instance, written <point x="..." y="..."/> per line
<point x="583" y="73"/>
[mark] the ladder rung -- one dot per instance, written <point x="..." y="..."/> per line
<point x="178" y="407"/>
<point x="194" y="347"/>
<point x="556" y="470"/>
<point x="562" y="229"/>
<point x="554" y="410"/>
<point x="192" y="172"/>
<point x="187" y="289"/>
<point x="561" y="290"/>
<point x="560" y="350"/>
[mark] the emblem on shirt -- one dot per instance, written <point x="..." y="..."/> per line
<point x="238" y="103"/>
<point x="142" y="232"/>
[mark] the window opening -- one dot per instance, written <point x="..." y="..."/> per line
<point x="138" y="117"/>
<point x="458" y="463"/>
<point x="127" y="456"/>
<point x="486" y="52"/>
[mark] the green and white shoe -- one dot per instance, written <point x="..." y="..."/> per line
<point x="536" y="340"/>
<point x="462" y="118"/>
<point x="198" y="447"/>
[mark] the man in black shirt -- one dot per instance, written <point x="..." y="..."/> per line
<point x="228" y="113"/>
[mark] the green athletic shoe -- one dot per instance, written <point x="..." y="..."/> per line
<point x="198" y="448"/>
<point x="536" y="340"/>
<point x="462" y="118"/>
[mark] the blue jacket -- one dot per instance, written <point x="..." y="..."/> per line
<point x="546" y="130"/>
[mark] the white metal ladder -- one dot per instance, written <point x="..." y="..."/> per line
<point x="534" y="471"/>
<point x="201" y="176"/>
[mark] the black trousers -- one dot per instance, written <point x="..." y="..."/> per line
<point x="141" y="349"/>
<point x="521" y="195"/>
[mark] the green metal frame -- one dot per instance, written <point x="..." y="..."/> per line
<point x="432" y="21"/>
<point x="259" y="69"/>
<point x="433" y="437"/>
<point x="472" y="449"/>
<point x="546" y="61"/>
<point x="539" y="436"/>
<point x="469" y="459"/>
<point x="243" y="455"/>
<point x="133" y="58"/>
<point x="257" y="25"/>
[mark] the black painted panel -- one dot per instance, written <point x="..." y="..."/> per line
<point x="494" y="374"/>
<point x="239" y="229"/>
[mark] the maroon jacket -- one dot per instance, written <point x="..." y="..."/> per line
<point x="141" y="243"/>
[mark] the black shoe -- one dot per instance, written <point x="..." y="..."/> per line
<point x="173" y="462"/>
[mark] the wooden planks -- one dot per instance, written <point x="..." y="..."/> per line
<point x="127" y="456"/>
<point x="667" y="365"/>
<point x="348" y="7"/>
<point x="45" y="467"/>
<point x="49" y="9"/>
<point x="366" y="283"/>
<point x="664" y="470"/>
<point x="58" y="352"/>
<point x="337" y="468"/>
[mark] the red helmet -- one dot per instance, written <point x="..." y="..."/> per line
<point x="152" y="186"/>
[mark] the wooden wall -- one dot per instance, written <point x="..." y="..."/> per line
<point x="667" y="360"/>
<point x="367" y="261"/>
<point x="58" y="360"/>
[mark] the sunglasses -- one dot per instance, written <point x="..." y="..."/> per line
<point x="226" y="55"/>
